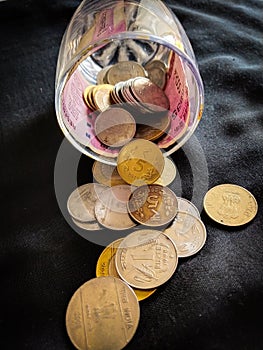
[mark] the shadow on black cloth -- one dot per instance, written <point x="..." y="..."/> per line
<point x="214" y="301"/>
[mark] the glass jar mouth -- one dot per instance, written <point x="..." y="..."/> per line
<point x="63" y="75"/>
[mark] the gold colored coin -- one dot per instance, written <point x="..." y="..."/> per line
<point x="169" y="173"/>
<point x="106" y="174"/>
<point x="146" y="259"/>
<point x="140" y="162"/>
<point x="88" y="97"/>
<point x="152" y="129"/>
<point x="230" y="205"/>
<point x="123" y="71"/>
<point x="101" y="96"/>
<point x="102" y="314"/>
<point x="153" y="205"/>
<point x="102" y="76"/>
<point x="115" y="127"/>
<point x="106" y="267"/>
<point x="157" y="73"/>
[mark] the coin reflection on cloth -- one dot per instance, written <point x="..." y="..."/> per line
<point x="191" y="238"/>
<point x="102" y="314"/>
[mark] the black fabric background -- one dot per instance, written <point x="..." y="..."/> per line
<point x="214" y="301"/>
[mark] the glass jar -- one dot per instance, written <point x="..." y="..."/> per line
<point x="104" y="33"/>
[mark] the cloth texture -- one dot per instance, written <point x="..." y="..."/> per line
<point x="214" y="300"/>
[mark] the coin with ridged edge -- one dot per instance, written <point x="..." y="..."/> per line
<point x="102" y="314"/>
<point x="140" y="162"/>
<point x="146" y="259"/>
<point x="230" y="205"/>
<point x="106" y="267"/>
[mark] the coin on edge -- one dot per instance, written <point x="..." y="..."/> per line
<point x="106" y="174"/>
<point x="111" y="209"/>
<point x="140" y="162"/>
<point x="115" y="127"/>
<point x="106" y="267"/>
<point x="190" y="241"/>
<point x="102" y="314"/>
<point x="169" y="173"/>
<point x="230" y="205"/>
<point x="146" y="259"/>
<point x="82" y="201"/>
<point x="101" y="95"/>
<point x="153" y="205"/>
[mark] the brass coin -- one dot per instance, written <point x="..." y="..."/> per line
<point x="123" y="71"/>
<point x="146" y="259"/>
<point x="188" y="234"/>
<point x="153" y="205"/>
<point x="140" y="162"/>
<point x="168" y="175"/>
<point x="87" y="96"/>
<point x="82" y="201"/>
<point x="155" y="64"/>
<point x="106" y="267"/>
<point x="102" y="76"/>
<point x="187" y="206"/>
<point x="157" y="73"/>
<point x="102" y="314"/>
<point x="230" y="205"/>
<point x="115" y="127"/>
<point x="111" y="209"/>
<point x="101" y="95"/>
<point x="87" y="226"/>
<point x="106" y="174"/>
<point x="153" y="129"/>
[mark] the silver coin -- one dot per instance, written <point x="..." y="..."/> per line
<point x="187" y="206"/>
<point x="87" y="226"/>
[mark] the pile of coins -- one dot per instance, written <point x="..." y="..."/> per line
<point x="161" y="228"/>
<point x="129" y="102"/>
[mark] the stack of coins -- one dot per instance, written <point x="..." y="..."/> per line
<point x="162" y="228"/>
<point x="128" y="102"/>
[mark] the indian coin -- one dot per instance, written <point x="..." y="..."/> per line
<point x="146" y="259"/>
<point x="150" y="94"/>
<point x="101" y="96"/>
<point x="188" y="242"/>
<point x="123" y="71"/>
<point x="140" y="162"/>
<point x="156" y="73"/>
<point x="106" y="267"/>
<point x="155" y="64"/>
<point x="187" y="206"/>
<point x="82" y="201"/>
<point x="102" y="314"/>
<point x="106" y="174"/>
<point x="153" y="129"/>
<point x="87" y="226"/>
<point x="168" y="175"/>
<point x="230" y="205"/>
<point x="115" y="127"/>
<point x="87" y="96"/>
<point x="153" y="205"/>
<point x="102" y="75"/>
<point x="111" y="209"/>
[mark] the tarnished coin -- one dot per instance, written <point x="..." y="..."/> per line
<point x="153" y="128"/>
<point x="101" y="96"/>
<point x="111" y="209"/>
<point x="87" y="226"/>
<point x="115" y="127"/>
<point x="106" y="174"/>
<point x="187" y="206"/>
<point x="102" y="314"/>
<point x="230" y="205"/>
<point x="140" y="162"/>
<point x="157" y="73"/>
<point x="150" y="94"/>
<point x="106" y="267"/>
<point x="102" y="76"/>
<point x="82" y="201"/>
<point x="188" y="242"/>
<point x="123" y="71"/>
<point x="168" y="175"/>
<point x="153" y="205"/>
<point x="146" y="259"/>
